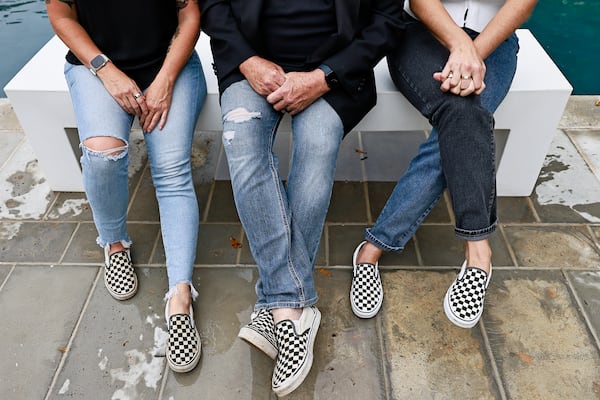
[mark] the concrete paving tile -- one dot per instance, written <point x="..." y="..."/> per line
<point x="344" y="239"/>
<point x="8" y="118"/>
<point x="4" y="271"/>
<point x="203" y="191"/>
<point x="587" y="286"/>
<point x="118" y="351"/>
<point x="24" y="191"/>
<point x="143" y="206"/>
<point x="440" y="247"/>
<point x="222" y="206"/>
<point x="228" y="368"/>
<point x="389" y="153"/>
<point x="71" y="207"/>
<point x="348" y="360"/>
<point x="567" y="190"/>
<point x="581" y="112"/>
<point x="540" y="342"/>
<point x="347" y="203"/>
<point x="349" y="166"/>
<point x="588" y="143"/>
<point x="553" y="246"/>
<point x="428" y="356"/>
<point x="35" y="336"/>
<point x="34" y="241"/>
<point x="8" y="143"/>
<point x="515" y="209"/>
<point x="214" y="245"/>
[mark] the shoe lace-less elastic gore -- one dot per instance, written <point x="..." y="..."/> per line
<point x="366" y="293"/>
<point x="464" y="300"/>
<point x="120" y="278"/>
<point x="260" y="333"/>
<point x="295" y="356"/>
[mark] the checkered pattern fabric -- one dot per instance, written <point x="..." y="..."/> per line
<point x="183" y="347"/>
<point x="260" y="332"/>
<point x="366" y="293"/>
<point x="465" y="297"/>
<point x="293" y="352"/>
<point x="119" y="276"/>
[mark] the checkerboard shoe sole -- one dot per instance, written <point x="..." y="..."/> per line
<point x="295" y="356"/>
<point x="260" y="333"/>
<point x="120" y="278"/>
<point x="463" y="302"/>
<point x="183" y="347"/>
<point x="366" y="293"/>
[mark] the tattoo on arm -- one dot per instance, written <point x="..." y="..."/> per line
<point x="181" y="3"/>
<point x="175" y="35"/>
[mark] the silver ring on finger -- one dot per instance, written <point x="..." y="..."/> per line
<point x="465" y="77"/>
<point x="137" y="95"/>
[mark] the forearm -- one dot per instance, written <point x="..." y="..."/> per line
<point x="511" y="16"/>
<point x="183" y="42"/>
<point x="63" y="19"/>
<point x="433" y="14"/>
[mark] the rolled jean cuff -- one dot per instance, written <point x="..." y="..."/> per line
<point x="173" y="291"/>
<point x="286" y="304"/>
<point x="475" y="235"/>
<point x="369" y="237"/>
<point x="103" y="243"/>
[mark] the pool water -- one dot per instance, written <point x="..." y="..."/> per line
<point x="569" y="30"/>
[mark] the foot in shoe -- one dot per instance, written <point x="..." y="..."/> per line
<point x="260" y="332"/>
<point x="464" y="300"/>
<point x="120" y="278"/>
<point x="184" y="346"/>
<point x="366" y="292"/>
<point x="295" y="343"/>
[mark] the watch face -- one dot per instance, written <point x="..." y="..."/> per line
<point x="97" y="61"/>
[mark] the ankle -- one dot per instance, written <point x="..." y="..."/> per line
<point x="369" y="253"/>
<point x="181" y="300"/>
<point x="281" y="314"/>
<point x="115" y="247"/>
<point x="479" y="254"/>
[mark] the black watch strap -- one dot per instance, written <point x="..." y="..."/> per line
<point x="330" y="76"/>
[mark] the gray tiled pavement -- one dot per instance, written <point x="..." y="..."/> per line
<point x="65" y="337"/>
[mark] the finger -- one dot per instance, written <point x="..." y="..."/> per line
<point x="163" y="120"/>
<point x="481" y="89"/>
<point x="455" y="89"/>
<point x="438" y="76"/>
<point x="470" y="89"/>
<point x="445" y="86"/>
<point x="141" y="100"/>
<point x="465" y="81"/>
<point x="134" y="107"/>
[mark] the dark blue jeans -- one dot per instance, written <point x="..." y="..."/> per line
<point x="459" y="152"/>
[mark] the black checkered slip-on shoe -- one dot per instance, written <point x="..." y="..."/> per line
<point x="260" y="332"/>
<point x="184" y="346"/>
<point x="463" y="302"/>
<point x="295" y="346"/>
<point x="119" y="276"/>
<point x="366" y="293"/>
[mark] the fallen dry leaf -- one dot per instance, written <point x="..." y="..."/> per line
<point x="527" y="359"/>
<point x="325" y="272"/>
<point x="360" y="151"/>
<point x="63" y="349"/>
<point x="551" y="292"/>
<point x="598" y="102"/>
<point x="234" y="242"/>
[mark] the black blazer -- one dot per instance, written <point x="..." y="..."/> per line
<point x="366" y="30"/>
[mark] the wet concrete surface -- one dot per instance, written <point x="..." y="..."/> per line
<point x="65" y="337"/>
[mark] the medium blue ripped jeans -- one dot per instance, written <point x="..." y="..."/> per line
<point x="462" y="125"/>
<point x="105" y="174"/>
<point x="283" y="223"/>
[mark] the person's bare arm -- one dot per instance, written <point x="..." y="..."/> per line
<point x="63" y="18"/>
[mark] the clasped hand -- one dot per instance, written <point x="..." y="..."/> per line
<point x="290" y="92"/>
<point x="151" y="108"/>
<point x="463" y="73"/>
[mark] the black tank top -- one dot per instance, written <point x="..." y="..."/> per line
<point x="134" y="34"/>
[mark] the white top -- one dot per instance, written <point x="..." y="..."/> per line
<point x="472" y="14"/>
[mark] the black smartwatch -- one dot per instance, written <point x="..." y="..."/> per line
<point x="98" y="62"/>
<point x="330" y="76"/>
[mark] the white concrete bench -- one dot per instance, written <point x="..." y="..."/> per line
<point x="531" y="112"/>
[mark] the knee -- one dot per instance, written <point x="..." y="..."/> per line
<point x="105" y="147"/>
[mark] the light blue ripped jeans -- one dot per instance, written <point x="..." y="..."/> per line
<point x="105" y="177"/>
<point x="283" y="223"/>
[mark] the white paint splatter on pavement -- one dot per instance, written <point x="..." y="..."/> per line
<point x="65" y="387"/>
